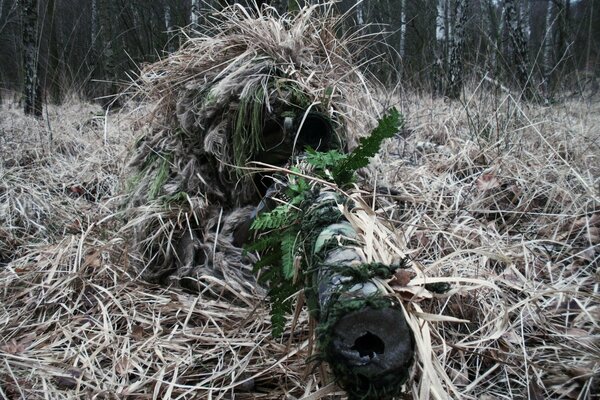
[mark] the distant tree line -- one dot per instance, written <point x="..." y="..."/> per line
<point x="51" y="48"/>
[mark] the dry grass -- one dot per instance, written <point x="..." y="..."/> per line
<point x="496" y="197"/>
<point x="509" y="215"/>
<point x="498" y="190"/>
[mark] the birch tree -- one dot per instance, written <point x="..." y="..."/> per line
<point x="548" y="47"/>
<point x="32" y="90"/>
<point x="457" y="44"/>
<point x="402" y="44"/>
<point x="440" y="63"/>
<point x="360" y="13"/>
<point x="195" y="13"/>
<point x="517" y="55"/>
<point x="492" y="29"/>
<point x="94" y="23"/>
<point x="525" y="15"/>
<point x="168" y="16"/>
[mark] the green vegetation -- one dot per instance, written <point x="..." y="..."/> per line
<point x="281" y="237"/>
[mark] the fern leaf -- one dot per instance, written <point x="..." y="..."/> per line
<point x="288" y="253"/>
<point x="387" y="127"/>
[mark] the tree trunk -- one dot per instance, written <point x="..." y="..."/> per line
<point x="548" y="59"/>
<point x="169" y="28"/>
<point x="457" y="43"/>
<point x="525" y="15"/>
<point x="441" y="34"/>
<point x="111" y="51"/>
<point x="517" y="55"/>
<point x="564" y="31"/>
<point x="360" y="13"/>
<point x="195" y="14"/>
<point x="493" y="30"/>
<point x="401" y="48"/>
<point x="32" y="90"/>
<point x="54" y="72"/>
<point x="94" y="23"/>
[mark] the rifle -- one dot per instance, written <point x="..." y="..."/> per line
<point x="307" y="242"/>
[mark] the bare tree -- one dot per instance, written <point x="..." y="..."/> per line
<point x="441" y="38"/>
<point x="195" y="13"/>
<point x="492" y="28"/>
<point x="402" y="44"/>
<point x="32" y="89"/>
<point x="7" y="14"/>
<point x="525" y="15"/>
<point x="517" y="55"/>
<point x="548" y="47"/>
<point x="360" y="13"/>
<point x="53" y="74"/>
<point x="457" y="44"/>
<point x="168" y="15"/>
<point x="94" y="22"/>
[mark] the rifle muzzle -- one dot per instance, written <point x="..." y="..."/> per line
<point x="363" y="334"/>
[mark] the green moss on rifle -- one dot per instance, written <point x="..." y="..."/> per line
<point x="356" y="384"/>
<point x="365" y="272"/>
<point x="289" y="231"/>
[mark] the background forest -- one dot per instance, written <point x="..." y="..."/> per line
<point x="542" y="47"/>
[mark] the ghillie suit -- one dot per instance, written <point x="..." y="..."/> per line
<point x="262" y="91"/>
<point x="259" y="88"/>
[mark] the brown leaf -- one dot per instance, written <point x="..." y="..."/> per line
<point x="412" y="293"/>
<point x="486" y="182"/>
<point x="13" y="347"/>
<point x="422" y="239"/>
<point x="77" y="190"/>
<point x="137" y="332"/>
<point x="535" y="391"/>
<point x="93" y="260"/>
<point x="122" y="366"/>
<point x="68" y="381"/>
<point x="401" y="278"/>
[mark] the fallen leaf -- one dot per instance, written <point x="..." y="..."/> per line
<point x="68" y="381"/>
<point x="486" y="182"/>
<point x="137" y="332"/>
<point x="122" y="366"/>
<point x="13" y="347"/>
<point x="93" y="260"/>
<point x="401" y="278"/>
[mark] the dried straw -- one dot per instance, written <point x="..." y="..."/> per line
<point x="495" y="197"/>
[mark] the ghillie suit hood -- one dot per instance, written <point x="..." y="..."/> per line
<point x="259" y="87"/>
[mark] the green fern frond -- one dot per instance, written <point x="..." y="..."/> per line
<point x="278" y="230"/>
<point x="386" y="128"/>
<point x="264" y="242"/>
<point x="288" y="253"/>
<point x="279" y="217"/>
<point x="324" y="160"/>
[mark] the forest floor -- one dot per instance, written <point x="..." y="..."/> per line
<point x="499" y="197"/>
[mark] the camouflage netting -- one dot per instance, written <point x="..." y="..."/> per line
<point x="259" y="87"/>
